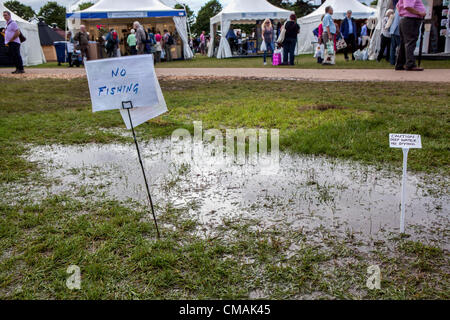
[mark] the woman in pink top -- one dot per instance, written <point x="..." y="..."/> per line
<point x="203" y="43"/>
<point x="320" y="31"/>
<point x="158" y="38"/>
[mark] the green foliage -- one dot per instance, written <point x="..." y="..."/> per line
<point x="85" y="5"/>
<point x="209" y="10"/>
<point x="300" y="7"/>
<point x="54" y="13"/>
<point x="23" y="11"/>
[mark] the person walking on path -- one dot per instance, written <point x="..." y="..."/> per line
<point x="82" y="38"/>
<point x="141" y="37"/>
<point x="412" y="12"/>
<point x="289" y="41"/>
<point x="12" y="41"/>
<point x="394" y="30"/>
<point x="131" y="40"/>
<point x="267" y="38"/>
<point x="386" y="35"/>
<point x="350" y="34"/>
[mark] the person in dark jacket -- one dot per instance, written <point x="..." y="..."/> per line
<point x="290" y="40"/>
<point x="350" y="34"/>
<point x="82" y="38"/>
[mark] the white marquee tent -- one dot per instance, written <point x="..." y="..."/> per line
<point x="31" y="50"/>
<point x="135" y="10"/>
<point x="340" y="7"/>
<point x="242" y="12"/>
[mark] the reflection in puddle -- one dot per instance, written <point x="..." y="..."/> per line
<point x="306" y="193"/>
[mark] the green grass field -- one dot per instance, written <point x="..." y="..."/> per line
<point x="116" y="246"/>
<point x="302" y="62"/>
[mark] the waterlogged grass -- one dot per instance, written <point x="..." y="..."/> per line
<point x="115" y="245"/>
<point x="301" y="62"/>
<point x="120" y="258"/>
<point x="347" y="120"/>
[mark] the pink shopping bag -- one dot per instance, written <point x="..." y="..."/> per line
<point x="276" y="60"/>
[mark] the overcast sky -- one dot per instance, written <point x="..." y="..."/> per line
<point x="194" y="4"/>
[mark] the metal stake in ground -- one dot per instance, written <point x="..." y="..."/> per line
<point x="405" y="142"/>
<point x="404" y="180"/>
<point x="127" y="105"/>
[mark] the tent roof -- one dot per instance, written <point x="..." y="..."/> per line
<point x="251" y="10"/>
<point x="47" y="35"/>
<point x="14" y="16"/>
<point x="340" y="8"/>
<point x="128" y="9"/>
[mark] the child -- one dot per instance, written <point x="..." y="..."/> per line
<point x="319" y="53"/>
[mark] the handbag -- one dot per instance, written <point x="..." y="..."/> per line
<point x="276" y="59"/>
<point x="22" y="37"/>
<point x="330" y="47"/>
<point x="263" y="46"/>
<point x="282" y="34"/>
<point x="329" y="57"/>
<point x="341" y="44"/>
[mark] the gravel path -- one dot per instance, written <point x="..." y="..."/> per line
<point x="431" y="75"/>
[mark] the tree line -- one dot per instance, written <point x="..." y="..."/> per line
<point x="52" y="12"/>
<point x="211" y="8"/>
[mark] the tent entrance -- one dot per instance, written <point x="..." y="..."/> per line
<point x="245" y="38"/>
<point x="100" y="27"/>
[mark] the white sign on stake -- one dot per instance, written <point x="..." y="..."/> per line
<point x="128" y="84"/>
<point x="405" y="142"/>
<point x="117" y="80"/>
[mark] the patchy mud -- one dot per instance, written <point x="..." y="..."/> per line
<point x="306" y="193"/>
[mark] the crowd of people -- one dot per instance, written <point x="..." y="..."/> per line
<point x="139" y="41"/>
<point x="399" y="35"/>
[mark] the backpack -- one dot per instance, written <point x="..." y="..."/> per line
<point x="170" y="41"/>
<point x="316" y="32"/>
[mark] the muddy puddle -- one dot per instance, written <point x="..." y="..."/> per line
<point x="305" y="193"/>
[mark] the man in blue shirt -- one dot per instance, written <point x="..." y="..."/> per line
<point x="329" y="28"/>
<point x="348" y="31"/>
